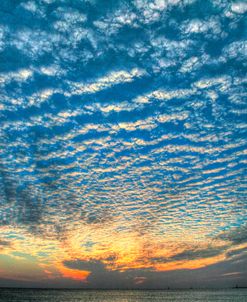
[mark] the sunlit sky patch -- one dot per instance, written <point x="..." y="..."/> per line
<point x="123" y="143"/>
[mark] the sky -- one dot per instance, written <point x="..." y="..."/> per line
<point x="123" y="143"/>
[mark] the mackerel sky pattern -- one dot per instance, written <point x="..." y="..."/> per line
<point x="128" y="116"/>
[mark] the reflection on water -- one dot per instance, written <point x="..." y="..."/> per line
<point x="30" y="295"/>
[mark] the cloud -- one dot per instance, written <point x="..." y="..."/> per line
<point x="239" y="7"/>
<point x="236" y="235"/>
<point x="114" y="78"/>
<point x="4" y="244"/>
<point x="198" y="254"/>
<point x="100" y="277"/>
<point x="123" y="132"/>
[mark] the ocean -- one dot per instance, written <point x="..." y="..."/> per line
<point x="47" y="295"/>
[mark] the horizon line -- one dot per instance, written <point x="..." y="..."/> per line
<point x="163" y="289"/>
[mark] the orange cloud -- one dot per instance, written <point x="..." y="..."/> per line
<point x="74" y="274"/>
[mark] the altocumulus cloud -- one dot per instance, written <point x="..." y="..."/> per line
<point x="123" y="142"/>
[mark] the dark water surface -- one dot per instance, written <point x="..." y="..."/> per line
<point x="36" y="295"/>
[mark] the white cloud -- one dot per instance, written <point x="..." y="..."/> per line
<point x="113" y="78"/>
<point x="239" y="7"/>
<point x="20" y="75"/>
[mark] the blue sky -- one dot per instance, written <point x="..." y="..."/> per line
<point x="123" y="142"/>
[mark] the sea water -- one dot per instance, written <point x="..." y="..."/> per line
<point x="46" y="295"/>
